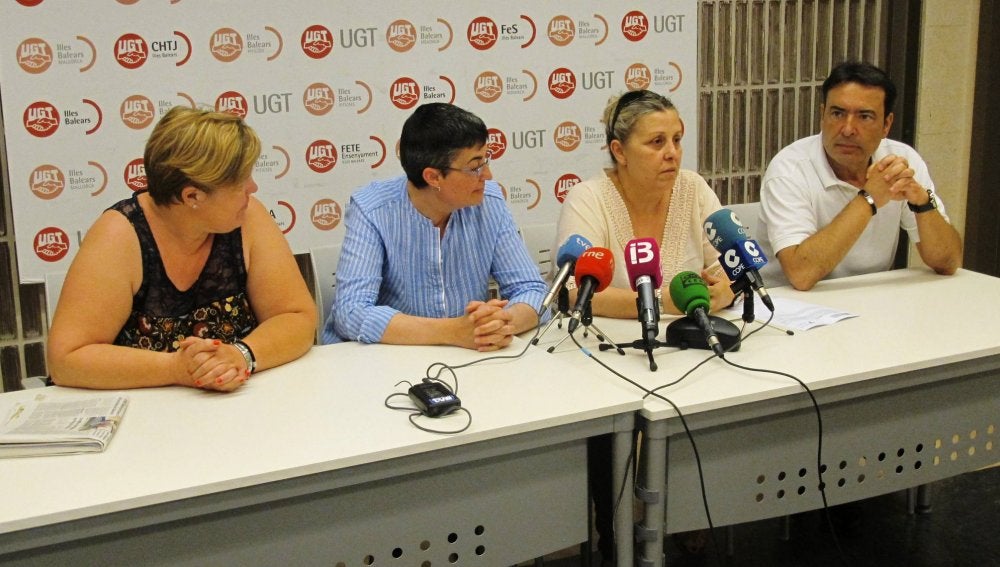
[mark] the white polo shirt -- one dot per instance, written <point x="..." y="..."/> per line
<point x="800" y="194"/>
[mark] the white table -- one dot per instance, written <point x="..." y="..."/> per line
<point x="909" y="394"/>
<point x="304" y="465"/>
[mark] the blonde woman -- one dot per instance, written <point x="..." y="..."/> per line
<point x="188" y="283"/>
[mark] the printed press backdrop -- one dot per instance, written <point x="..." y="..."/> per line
<point x="327" y="86"/>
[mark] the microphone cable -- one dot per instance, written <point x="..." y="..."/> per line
<point x="687" y="430"/>
<point x="436" y="377"/>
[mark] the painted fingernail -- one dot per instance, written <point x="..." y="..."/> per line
<point x="197" y="383"/>
<point x="216" y="342"/>
<point x="218" y="380"/>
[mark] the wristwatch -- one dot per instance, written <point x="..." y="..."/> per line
<point x="930" y="205"/>
<point x="871" y="200"/>
<point x="248" y="356"/>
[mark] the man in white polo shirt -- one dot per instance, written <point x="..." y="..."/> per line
<point x="832" y="204"/>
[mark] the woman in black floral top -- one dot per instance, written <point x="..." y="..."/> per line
<point x="190" y="282"/>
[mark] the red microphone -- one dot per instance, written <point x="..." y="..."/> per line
<point x="594" y="270"/>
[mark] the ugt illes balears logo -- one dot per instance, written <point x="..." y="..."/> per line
<point x="226" y="45"/>
<point x="131" y="51"/>
<point x="51" y="244"/>
<point x="482" y="33"/>
<point x="41" y="119"/>
<point x="317" y="41"/>
<point x="635" y="26"/>
<point x="34" y="55"/>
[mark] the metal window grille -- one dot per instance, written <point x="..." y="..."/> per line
<point x="761" y="68"/>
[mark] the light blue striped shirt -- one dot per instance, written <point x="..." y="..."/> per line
<point x="394" y="260"/>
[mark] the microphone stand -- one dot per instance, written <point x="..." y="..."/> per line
<point x="562" y="310"/>
<point x="748" y="315"/>
<point x="587" y="321"/>
<point x="642" y="344"/>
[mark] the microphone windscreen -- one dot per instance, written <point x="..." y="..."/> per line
<point x="571" y="249"/>
<point x="642" y="258"/>
<point x="597" y="263"/>
<point x="688" y="292"/>
<point x="723" y="229"/>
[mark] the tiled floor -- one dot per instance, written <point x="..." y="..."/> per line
<point x="961" y="530"/>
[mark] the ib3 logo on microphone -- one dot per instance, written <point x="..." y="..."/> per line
<point x="640" y="251"/>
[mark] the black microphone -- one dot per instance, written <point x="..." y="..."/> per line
<point x="594" y="270"/>
<point x="565" y="259"/>
<point x="740" y="255"/>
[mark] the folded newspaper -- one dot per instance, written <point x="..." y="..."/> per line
<point x="44" y="425"/>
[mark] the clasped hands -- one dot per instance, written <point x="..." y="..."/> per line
<point x="211" y="364"/>
<point x="891" y="179"/>
<point x="487" y="326"/>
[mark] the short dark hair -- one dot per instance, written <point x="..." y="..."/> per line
<point x="433" y="135"/>
<point x="863" y="74"/>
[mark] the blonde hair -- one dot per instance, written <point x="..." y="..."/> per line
<point x="200" y="148"/>
<point x="623" y="112"/>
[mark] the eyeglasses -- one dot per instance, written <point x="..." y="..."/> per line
<point x="474" y="171"/>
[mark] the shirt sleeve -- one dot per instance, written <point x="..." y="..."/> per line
<point x="356" y="315"/>
<point x="512" y="267"/>
<point x="786" y="212"/>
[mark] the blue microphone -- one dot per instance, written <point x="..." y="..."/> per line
<point x="566" y="257"/>
<point x="740" y="255"/>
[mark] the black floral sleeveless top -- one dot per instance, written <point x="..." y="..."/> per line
<point x="215" y="307"/>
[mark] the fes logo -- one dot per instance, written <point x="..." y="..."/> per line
<point x="318" y="99"/>
<point x="317" y="41"/>
<point x="51" y="244"/>
<point x="567" y="136"/>
<point x="41" y="119"/>
<point x="482" y="33"/>
<point x="233" y="103"/>
<point x="401" y="36"/>
<point x="137" y="112"/>
<point x="325" y="214"/>
<point x="404" y="93"/>
<point x="637" y="77"/>
<point x="562" y="30"/>
<point x="135" y="175"/>
<point x="34" y="55"/>
<point x="226" y="44"/>
<point x="562" y="83"/>
<point x="321" y="156"/>
<point x="47" y="182"/>
<point x="131" y="51"/>
<point x="488" y="87"/>
<point x="564" y="184"/>
<point x="496" y="143"/>
<point x="635" y="25"/>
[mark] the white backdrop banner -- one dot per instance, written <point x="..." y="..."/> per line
<point x="327" y="86"/>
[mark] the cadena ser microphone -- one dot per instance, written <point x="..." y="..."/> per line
<point x="594" y="270"/>
<point x="566" y="257"/>
<point x="740" y="255"/>
<point x="642" y="261"/>
<point x="690" y="295"/>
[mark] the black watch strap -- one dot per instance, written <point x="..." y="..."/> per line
<point x="930" y="205"/>
<point x="871" y="200"/>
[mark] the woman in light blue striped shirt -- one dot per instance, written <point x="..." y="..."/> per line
<point x="420" y="249"/>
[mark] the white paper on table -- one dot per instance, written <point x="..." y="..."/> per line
<point x="792" y="314"/>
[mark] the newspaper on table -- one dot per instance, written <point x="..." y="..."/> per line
<point x="44" y="425"/>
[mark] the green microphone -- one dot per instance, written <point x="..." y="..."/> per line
<point x="690" y="294"/>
